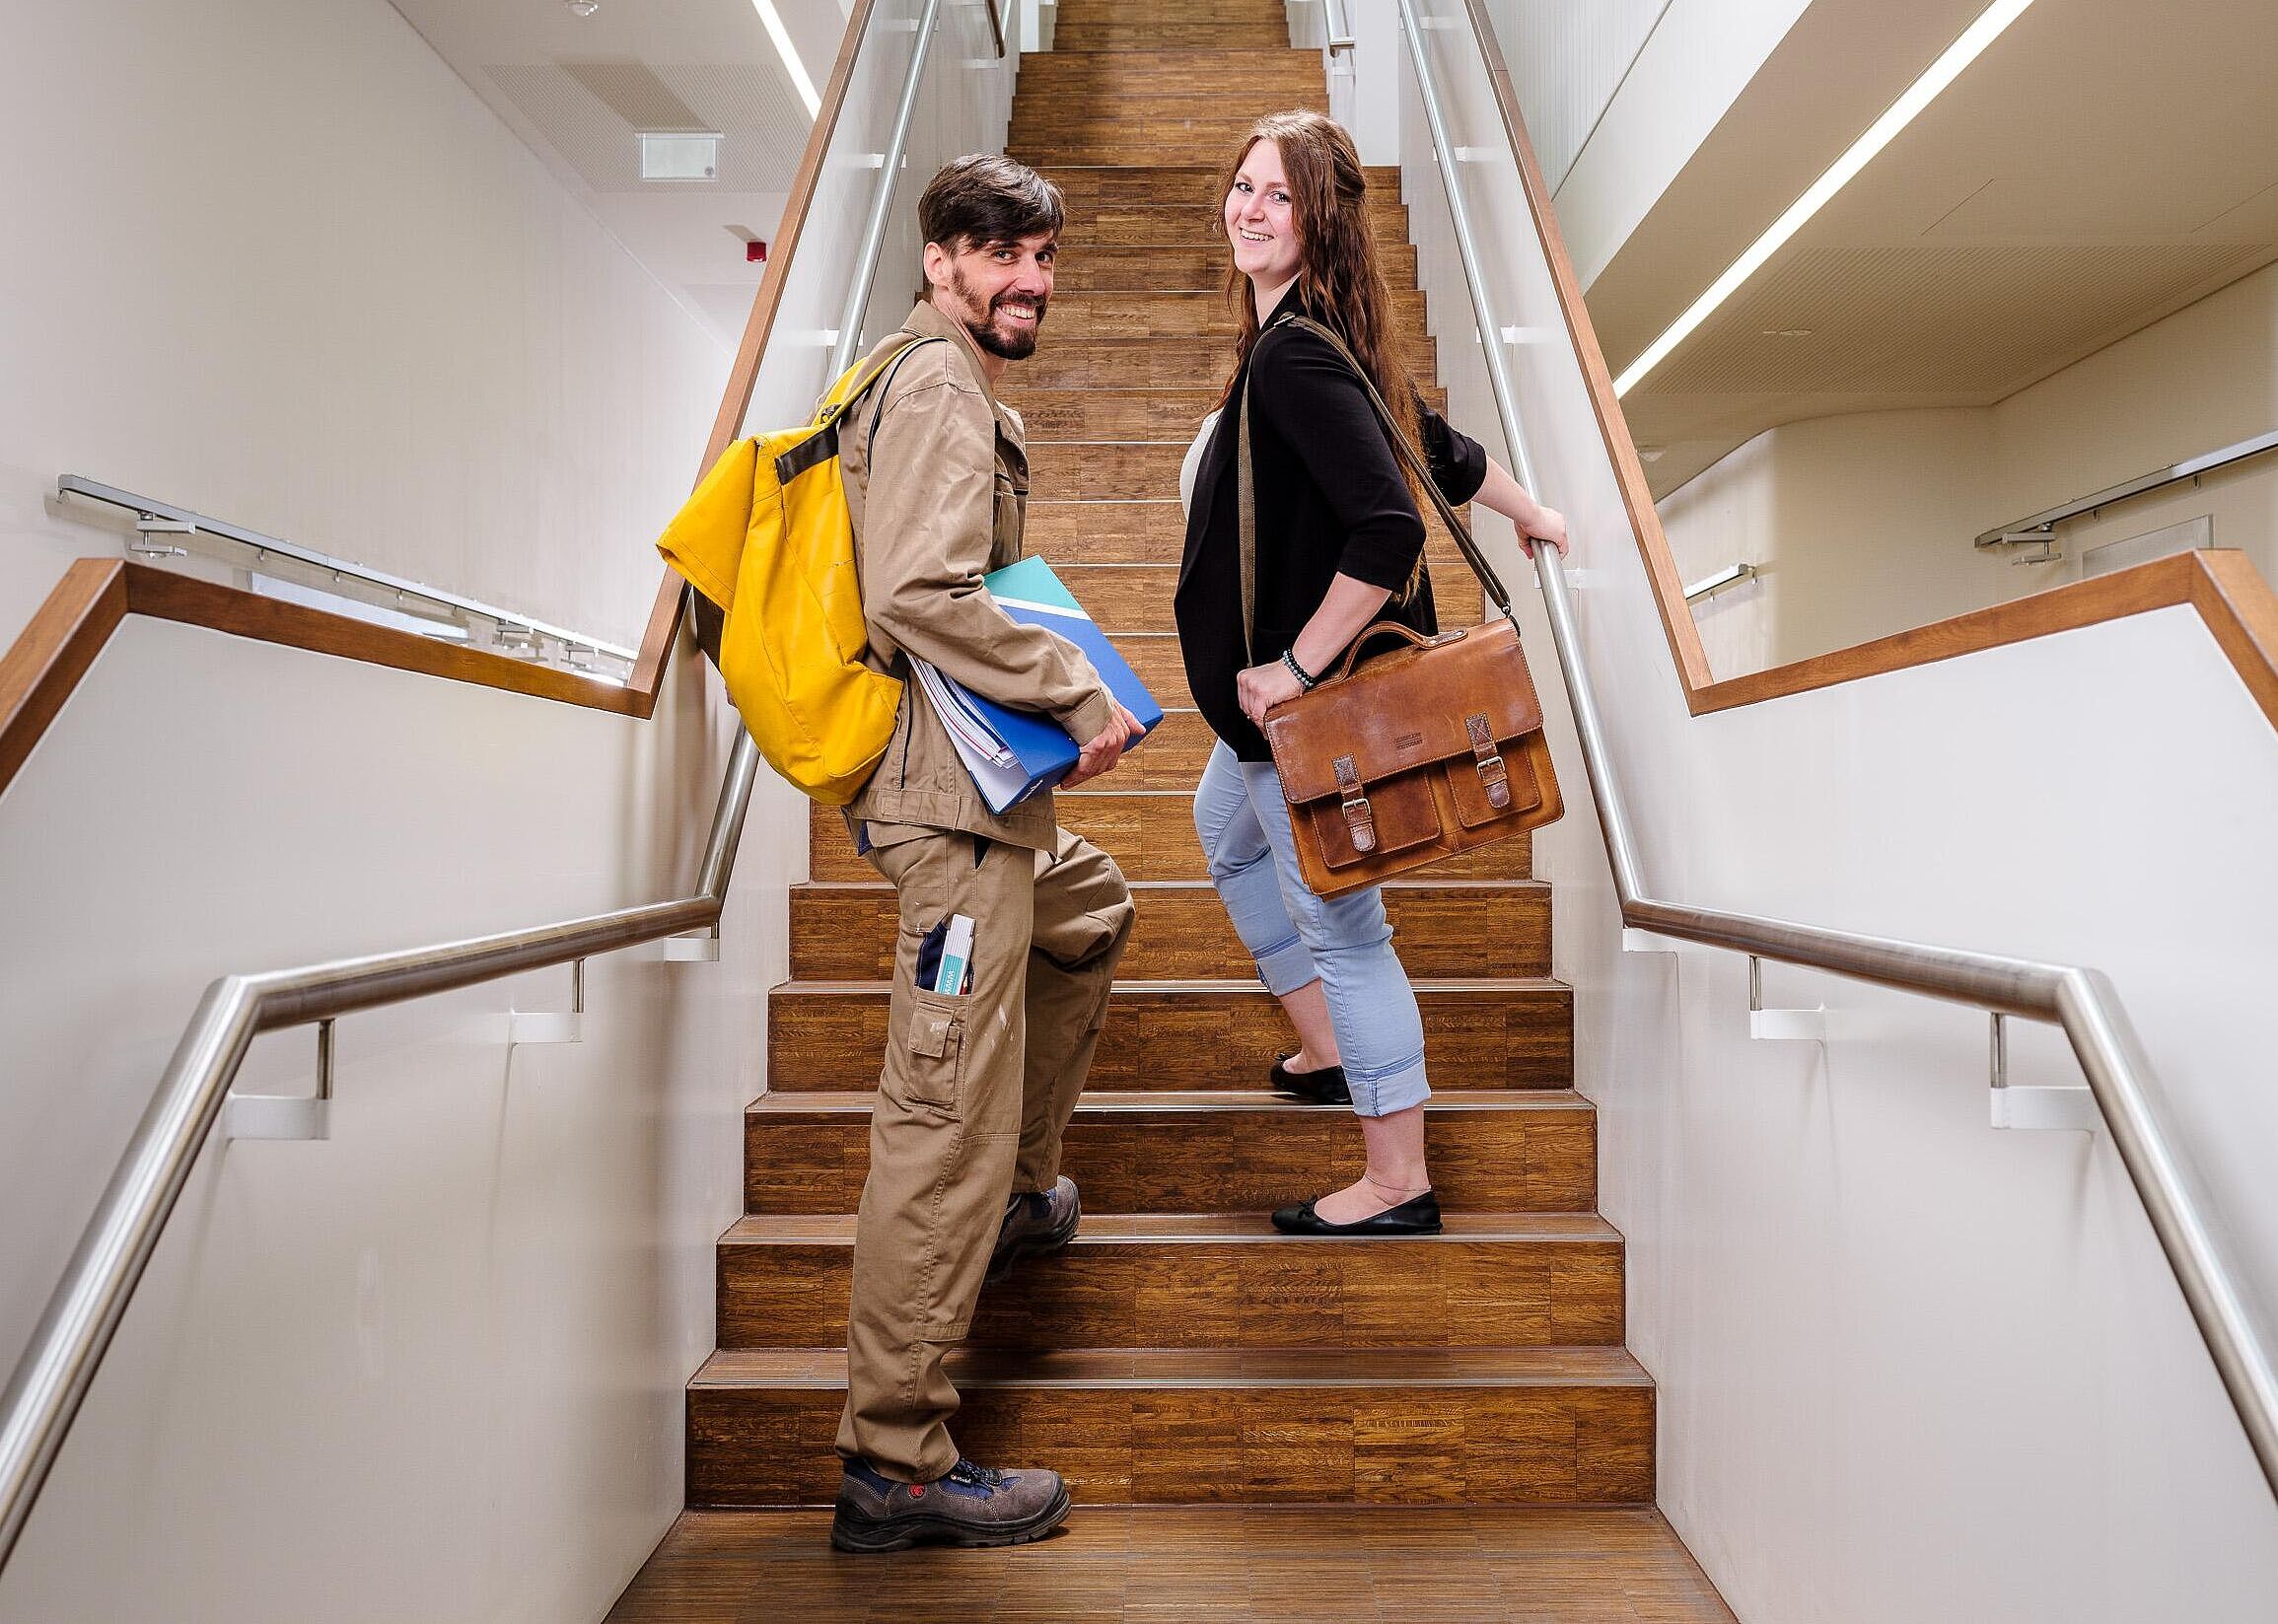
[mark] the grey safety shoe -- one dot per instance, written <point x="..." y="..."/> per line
<point x="1040" y="1223"/>
<point x="968" y="1505"/>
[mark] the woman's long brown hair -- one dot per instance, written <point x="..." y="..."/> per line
<point x="1341" y="281"/>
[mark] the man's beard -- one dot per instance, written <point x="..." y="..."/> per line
<point x="1017" y="345"/>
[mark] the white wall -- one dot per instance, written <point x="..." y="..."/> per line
<point x="1566" y="62"/>
<point x="1695" y="61"/>
<point x="1863" y="523"/>
<point x="1909" y="1368"/>
<point x="275" y="262"/>
<point x="271" y="260"/>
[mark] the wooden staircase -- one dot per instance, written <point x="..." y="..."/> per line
<point x="1179" y="1352"/>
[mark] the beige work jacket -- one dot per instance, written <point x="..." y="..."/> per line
<point x="936" y="502"/>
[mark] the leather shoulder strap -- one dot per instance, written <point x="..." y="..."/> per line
<point x="1404" y="449"/>
<point x="1247" y="487"/>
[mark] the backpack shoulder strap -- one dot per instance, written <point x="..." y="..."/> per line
<point x="885" y="380"/>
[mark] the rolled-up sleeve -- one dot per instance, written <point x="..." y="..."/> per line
<point x="929" y="519"/>
<point x="1318" y="405"/>
<point x="1458" y="463"/>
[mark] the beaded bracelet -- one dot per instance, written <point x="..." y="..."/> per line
<point x="1306" y="680"/>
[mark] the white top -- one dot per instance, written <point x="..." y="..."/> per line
<point x="1193" y="464"/>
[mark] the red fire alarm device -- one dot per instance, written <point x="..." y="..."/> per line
<point x="754" y="253"/>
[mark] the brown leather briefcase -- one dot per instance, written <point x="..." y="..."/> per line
<point x="1421" y="753"/>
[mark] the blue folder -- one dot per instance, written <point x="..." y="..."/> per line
<point x="1013" y="753"/>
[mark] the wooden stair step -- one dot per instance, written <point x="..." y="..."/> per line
<point x="1108" y="415"/>
<point x="1491" y="1151"/>
<point x="1527" y="1280"/>
<point x="1153" y="530"/>
<point x="1151" y="836"/>
<point x="1183" y="1426"/>
<point x="1146" y="139"/>
<point x="1173" y="1564"/>
<point x="845" y="930"/>
<point x="1098" y="185"/>
<point x="1156" y="658"/>
<point x="1139" y="598"/>
<point x="1163" y="313"/>
<point x="1049" y="79"/>
<point x="1169" y="225"/>
<point x="1180" y="361"/>
<point x="1195" y="32"/>
<point x="1179" y="1036"/>
<point x="1185" y="268"/>
<point x="1088" y="470"/>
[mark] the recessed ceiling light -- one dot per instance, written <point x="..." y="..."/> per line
<point x="1880" y="134"/>
<point x="790" y="55"/>
<point x="583" y="8"/>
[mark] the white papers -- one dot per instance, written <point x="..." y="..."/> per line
<point x="996" y="771"/>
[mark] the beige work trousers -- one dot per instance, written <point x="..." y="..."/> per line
<point x="971" y="1101"/>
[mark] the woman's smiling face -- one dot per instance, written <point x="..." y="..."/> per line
<point x="1260" y="221"/>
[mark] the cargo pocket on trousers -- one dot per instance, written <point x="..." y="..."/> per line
<point x="935" y="1064"/>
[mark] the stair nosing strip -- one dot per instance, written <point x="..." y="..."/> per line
<point x="1208" y="984"/>
<point x="1494" y="1238"/>
<point x="1197" y="1102"/>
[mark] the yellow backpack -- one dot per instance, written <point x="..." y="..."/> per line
<point x="769" y="538"/>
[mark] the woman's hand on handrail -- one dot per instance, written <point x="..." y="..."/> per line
<point x="1534" y="522"/>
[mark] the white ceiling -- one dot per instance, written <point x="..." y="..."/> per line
<point x="2103" y="164"/>
<point x="578" y="91"/>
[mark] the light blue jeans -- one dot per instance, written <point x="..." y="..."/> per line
<point x="1296" y="937"/>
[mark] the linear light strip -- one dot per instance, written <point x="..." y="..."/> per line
<point x="790" y="55"/>
<point x="1903" y="111"/>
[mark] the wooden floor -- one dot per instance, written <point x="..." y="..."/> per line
<point x="1288" y="1565"/>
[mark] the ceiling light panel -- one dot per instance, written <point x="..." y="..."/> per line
<point x="1973" y="40"/>
<point x="784" y="48"/>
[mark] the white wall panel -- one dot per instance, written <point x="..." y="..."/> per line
<point x="1697" y="59"/>
<point x="273" y="261"/>
<point x="1909" y="1368"/>
<point x="1566" y="62"/>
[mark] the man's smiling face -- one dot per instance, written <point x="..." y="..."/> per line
<point x="998" y="290"/>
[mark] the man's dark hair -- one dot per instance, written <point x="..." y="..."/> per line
<point x="988" y="199"/>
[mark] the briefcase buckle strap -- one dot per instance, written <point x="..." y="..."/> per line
<point x="1360" y="817"/>
<point x="1494" y="777"/>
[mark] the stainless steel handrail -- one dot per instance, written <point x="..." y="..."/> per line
<point x="2041" y="525"/>
<point x="43" y="1395"/>
<point x="72" y="484"/>
<point x="2079" y="1000"/>
<point x="848" y="344"/>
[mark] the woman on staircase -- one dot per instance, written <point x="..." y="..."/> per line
<point x="1339" y="544"/>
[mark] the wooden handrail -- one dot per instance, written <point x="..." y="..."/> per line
<point x="43" y="665"/>
<point x="2239" y="607"/>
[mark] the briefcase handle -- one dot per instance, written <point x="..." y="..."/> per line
<point x="1388" y="628"/>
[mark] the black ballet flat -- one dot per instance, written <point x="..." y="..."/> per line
<point x="1325" y="1086"/>
<point x="1418" y="1215"/>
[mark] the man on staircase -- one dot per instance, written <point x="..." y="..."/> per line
<point x="1010" y="927"/>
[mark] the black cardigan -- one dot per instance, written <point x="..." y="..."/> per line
<point x="1330" y="501"/>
